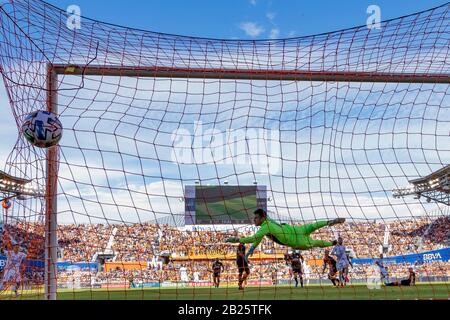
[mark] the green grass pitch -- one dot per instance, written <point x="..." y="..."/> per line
<point x="421" y="291"/>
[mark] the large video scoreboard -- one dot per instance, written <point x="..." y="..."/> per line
<point x="223" y="204"/>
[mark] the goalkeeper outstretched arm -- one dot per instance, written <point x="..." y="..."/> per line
<point x="256" y="239"/>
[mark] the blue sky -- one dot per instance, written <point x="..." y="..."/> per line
<point x="223" y="19"/>
<point x="227" y="19"/>
<point x="244" y="19"/>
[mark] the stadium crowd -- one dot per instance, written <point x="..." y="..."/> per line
<point x="143" y="242"/>
<point x="276" y="271"/>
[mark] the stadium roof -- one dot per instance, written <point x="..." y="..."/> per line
<point x="11" y="187"/>
<point x="435" y="186"/>
<point x="9" y="178"/>
<point x="440" y="178"/>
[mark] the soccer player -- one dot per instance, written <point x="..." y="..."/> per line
<point x="218" y="268"/>
<point x="306" y="272"/>
<point x="296" y="263"/>
<point x="242" y="264"/>
<point x="343" y="262"/>
<point x="12" y="271"/>
<point x="296" y="237"/>
<point x="328" y="261"/>
<point x="411" y="281"/>
<point x="131" y="281"/>
<point x="383" y="270"/>
<point x="196" y="276"/>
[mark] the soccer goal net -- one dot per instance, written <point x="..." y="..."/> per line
<point x="170" y="143"/>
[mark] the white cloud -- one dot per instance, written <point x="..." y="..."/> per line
<point x="330" y="167"/>
<point x="253" y="2"/>
<point x="136" y="203"/>
<point x="251" y="29"/>
<point x="115" y="186"/>
<point x="274" y="33"/>
<point x="270" y="16"/>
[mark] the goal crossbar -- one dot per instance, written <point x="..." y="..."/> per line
<point x="241" y="74"/>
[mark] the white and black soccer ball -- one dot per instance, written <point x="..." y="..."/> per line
<point x="42" y="129"/>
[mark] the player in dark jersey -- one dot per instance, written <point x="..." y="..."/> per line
<point x="411" y="281"/>
<point x="296" y="264"/>
<point x="131" y="281"/>
<point x="217" y="268"/>
<point x="328" y="261"/>
<point x="242" y="264"/>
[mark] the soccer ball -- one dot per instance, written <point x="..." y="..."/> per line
<point x="42" y="129"/>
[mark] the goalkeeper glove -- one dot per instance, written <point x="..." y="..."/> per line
<point x="232" y="240"/>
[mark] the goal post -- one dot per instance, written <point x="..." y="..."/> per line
<point x="51" y="200"/>
<point x="53" y="71"/>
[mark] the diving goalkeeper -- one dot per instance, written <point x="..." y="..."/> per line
<point x="296" y="237"/>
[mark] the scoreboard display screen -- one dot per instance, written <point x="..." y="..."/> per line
<point x="223" y="204"/>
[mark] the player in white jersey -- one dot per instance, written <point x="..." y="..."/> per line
<point x="307" y="272"/>
<point x="383" y="270"/>
<point x="12" y="271"/>
<point x="343" y="261"/>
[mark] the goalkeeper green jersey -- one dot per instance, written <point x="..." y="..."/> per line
<point x="297" y="237"/>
